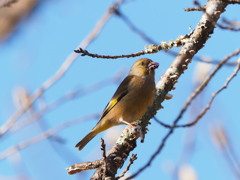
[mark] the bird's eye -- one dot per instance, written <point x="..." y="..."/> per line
<point x="142" y="63"/>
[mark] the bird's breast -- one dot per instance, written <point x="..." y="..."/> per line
<point x="139" y="98"/>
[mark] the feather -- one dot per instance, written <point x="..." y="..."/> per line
<point x="118" y="95"/>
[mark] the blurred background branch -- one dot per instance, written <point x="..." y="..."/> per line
<point x="60" y="72"/>
<point x="11" y="13"/>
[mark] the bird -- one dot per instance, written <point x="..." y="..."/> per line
<point x="130" y="101"/>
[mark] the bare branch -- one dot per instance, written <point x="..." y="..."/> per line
<point x="231" y="28"/>
<point x="222" y="141"/>
<point x="86" y="53"/>
<point x="103" y="148"/>
<point x="132" y="159"/>
<point x="199" y="8"/>
<point x="230" y="23"/>
<point x="233" y="1"/>
<point x="77" y="168"/>
<point x="213" y="97"/>
<point x="205" y="60"/>
<point x="161" y="123"/>
<point x="197" y="92"/>
<point x="135" y="29"/>
<point x="202" y="86"/>
<point x="118" y="153"/>
<point x="150" y="49"/>
<point x="100" y="24"/>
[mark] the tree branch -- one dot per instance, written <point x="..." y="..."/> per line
<point x="77" y="168"/>
<point x="202" y="86"/>
<point x="132" y="159"/>
<point x="150" y="49"/>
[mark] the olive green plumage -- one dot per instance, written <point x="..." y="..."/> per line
<point x="131" y="100"/>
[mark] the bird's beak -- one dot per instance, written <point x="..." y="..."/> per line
<point x="153" y="65"/>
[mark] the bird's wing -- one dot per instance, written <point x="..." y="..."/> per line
<point x="118" y="95"/>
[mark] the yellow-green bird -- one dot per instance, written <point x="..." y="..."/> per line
<point x="131" y="100"/>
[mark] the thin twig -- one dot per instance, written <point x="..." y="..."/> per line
<point x="234" y="155"/>
<point x="230" y="23"/>
<point x="86" y="53"/>
<point x="231" y="162"/>
<point x="132" y="159"/>
<point x="231" y="28"/>
<point x="199" y="8"/>
<point x="153" y="156"/>
<point x="196" y="3"/>
<point x="150" y="49"/>
<point x="145" y="37"/>
<point x="197" y="92"/>
<point x="77" y="168"/>
<point x="233" y="1"/>
<point x="203" y="85"/>
<point x="204" y="60"/>
<point x="134" y="28"/>
<point x="222" y="141"/>
<point x="100" y="24"/>
<point x="103" y="148"/>
<point x="161" y="123"/>
<point x="203" y="112"/>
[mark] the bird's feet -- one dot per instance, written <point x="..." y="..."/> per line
<point x="137" y="131"/>
<point x="133" y="128"/>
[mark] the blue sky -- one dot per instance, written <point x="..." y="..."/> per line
<point x="42" y="42"/>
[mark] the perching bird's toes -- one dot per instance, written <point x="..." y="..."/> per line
<point x="138" y="131"/>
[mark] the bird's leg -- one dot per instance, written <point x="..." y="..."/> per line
<point x="127" y="123"/>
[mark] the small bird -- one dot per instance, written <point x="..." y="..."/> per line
<point x="131" y="100"/>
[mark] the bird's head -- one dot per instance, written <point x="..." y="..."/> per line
<point x="143" y="67"/>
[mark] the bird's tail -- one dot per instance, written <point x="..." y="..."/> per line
<point x="81" y="144"/>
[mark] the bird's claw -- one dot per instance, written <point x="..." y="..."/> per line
<point x="138" y="130"/>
